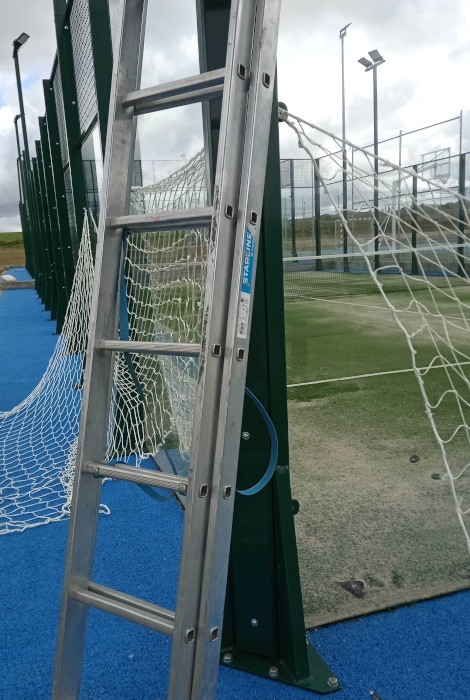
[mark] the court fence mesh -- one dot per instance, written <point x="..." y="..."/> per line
<point x="417" y="259"/>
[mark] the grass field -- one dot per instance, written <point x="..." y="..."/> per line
<point x="366" y="511"/>
<point x="11" y="250"/>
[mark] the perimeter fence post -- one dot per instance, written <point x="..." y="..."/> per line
<point x="414" y="222"/>
<point x="316" y="186"/>
<point x="72" y="120"/>
<point x="46" y="232"/>
<point x="292" y="206"/>
<point x="462" y="216"/>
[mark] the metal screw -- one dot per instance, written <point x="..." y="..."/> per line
<point x="228" y="658"/>
<point x="254" y="622"/>
<point x="333" y="682"/>
<point x="273" y="671"/>
<point x="245" y="435"/>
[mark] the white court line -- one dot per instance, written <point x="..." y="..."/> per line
<point x="375" y="374"/>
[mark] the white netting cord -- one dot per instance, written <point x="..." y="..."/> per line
<point x="37" y="437"/>
<point x="437" y="287"/>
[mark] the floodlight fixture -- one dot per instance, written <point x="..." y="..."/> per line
<point x="375" y="56"/>
<point x="342" y="32"/>
<point x="15" y="118"/>
<point x="365" y="62"/>
<point x="18" y="43"/>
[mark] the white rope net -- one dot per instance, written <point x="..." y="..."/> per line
<point x="153" y="397"/>
<point x="418" y="259"/>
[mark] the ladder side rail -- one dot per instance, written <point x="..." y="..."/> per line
<point x="237" y="341"/>
<point x="98" y="373"/>
<point x="219" y="273"/>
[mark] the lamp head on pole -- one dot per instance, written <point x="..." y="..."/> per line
<point x="15" y="118"/>
<point x="18" y="43"/>
<point x="377" y="60"/>
<point x="342" y="32"/>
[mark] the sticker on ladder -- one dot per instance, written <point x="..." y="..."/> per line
<point x="245" y="291"/>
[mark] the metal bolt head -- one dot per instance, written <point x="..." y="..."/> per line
<point x="333" y="682"/>
<point x="273" y="671"/>
<point x="228" y="658"/>
<point x="254" y="622"/>
<point x="245" y="435"/>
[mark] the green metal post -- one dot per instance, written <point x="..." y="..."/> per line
<point x="72" y="121"/>
<point x="29" y="209"/>
<point x="102" y="48"/>
<point x="292" y="206"/>
<point x="414" y="222"/>
<point x="462" y="215"/>
<point x="45" y="251"/>
<point x="60" y="286"/>
<point x="57" y="169"/>
<point x="316" y="186"/>
<point x="264" y="631"/>
<point x="42" y="246"/>
<point x="46" y="231"/>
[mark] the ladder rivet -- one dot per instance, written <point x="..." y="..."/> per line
<point x="189" y="636"/>
<point x="241" y="70"/>
<point x="254" y="622"/>
<point x="228" y="658"/>
<point x="203" y="490"/>
<point x="266" y="79"/>
<point x="240" y="354"/>
<point x="245" y="435"/>
<point x="182" y="489"/>
<point x="229" y="211"/>
<point x="216" y="350"/>
<point x="253" y="218"/>
<point x="213" y="634"/>
<point x="227" y="492"/>
<point x="273" y="671"/>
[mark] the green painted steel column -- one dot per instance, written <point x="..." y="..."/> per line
<point x="264" y="631"/>
<point x="72" y="121"/>
<point x="50" y="199"/>
<point x="46" y="231"/>
<point x="102" y="48"/>
<point x="27" y="194"/>
<point x="59" y="186"/>
<point x="43" y="252"/>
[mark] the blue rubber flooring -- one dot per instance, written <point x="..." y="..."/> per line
<point x="418" y="652"/>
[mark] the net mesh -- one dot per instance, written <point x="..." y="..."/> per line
<point x="417" y="259"/>
<point x="152" y="398"/>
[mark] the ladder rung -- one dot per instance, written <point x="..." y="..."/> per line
<point x="138" y="475"/>
<point x="177" y="349"/>
<point x="165" y="220"/>
<point x="196" y="88"/>
<point x="126" y="606"/>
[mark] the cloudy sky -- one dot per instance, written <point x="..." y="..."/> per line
<point x="426" y="44"/>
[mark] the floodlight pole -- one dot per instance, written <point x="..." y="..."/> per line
<point x="372" y="65"/>
<point x="342" y="34"/>
<point x="16" y="47"/>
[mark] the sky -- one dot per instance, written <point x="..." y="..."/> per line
<point x="425" y="43"/>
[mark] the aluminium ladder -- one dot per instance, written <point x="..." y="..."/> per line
<point x="246" y="86"/>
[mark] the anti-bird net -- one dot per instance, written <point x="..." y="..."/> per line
<point x="150" y="419"/>
<point x="417" y="258"/>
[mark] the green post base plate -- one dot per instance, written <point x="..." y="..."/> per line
<point x="320" y="679"/>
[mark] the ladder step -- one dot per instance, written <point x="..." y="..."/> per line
<point x="138" y="475"/>
<point x="126" y="606"/>
<point x="140" y="347"/>
<point x="165" y="220"/>
<point x="196" y="88"/>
